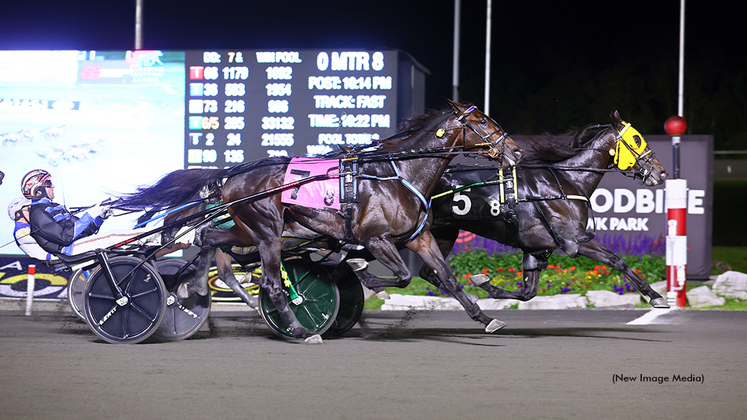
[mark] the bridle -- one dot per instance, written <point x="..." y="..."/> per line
<point x="497" y="148"/>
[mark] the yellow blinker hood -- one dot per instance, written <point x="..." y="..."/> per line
<point x="629" y="146"/>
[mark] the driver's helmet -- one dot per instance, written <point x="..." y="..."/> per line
<point x="33" y="183"/>
<point x="16" y="206"/>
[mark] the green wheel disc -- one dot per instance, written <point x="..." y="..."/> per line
<point x="319" y="307"/>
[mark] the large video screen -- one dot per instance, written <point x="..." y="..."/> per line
<point x="100" y="122"/>
<point x="105" y="122"/>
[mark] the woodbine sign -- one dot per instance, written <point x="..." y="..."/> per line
<point x="623" y="210"/>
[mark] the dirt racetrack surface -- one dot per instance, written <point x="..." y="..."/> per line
<point x="585" y="364"/>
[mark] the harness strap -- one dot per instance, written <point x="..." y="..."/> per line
<point x="421" y="197"/>
<point x="175" y="209"/>
<point x="426" y="203"/>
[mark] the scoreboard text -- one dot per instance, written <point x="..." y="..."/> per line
<point x="250" y="104"/>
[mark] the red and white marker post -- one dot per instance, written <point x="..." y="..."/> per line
<point x="30" y="287"/>
<point x="676" y="202"/>
<point x="676" y="199"/>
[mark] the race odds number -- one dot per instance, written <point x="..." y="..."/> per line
<point x="250" y="104"/>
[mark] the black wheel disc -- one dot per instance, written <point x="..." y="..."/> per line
<point x="320" y="305"/>
<point x="75" y="287"/>
<point x="352" y="300"/>
<point x="183" y="317"/>
<point x="139" y="316"/>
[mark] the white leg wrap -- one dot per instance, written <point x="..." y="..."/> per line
<point x="189" y="235"/>
<point x="357" y="264"/>
<point x="479" y="279"/>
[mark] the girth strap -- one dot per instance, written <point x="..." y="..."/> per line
<point x="426" y="203"/>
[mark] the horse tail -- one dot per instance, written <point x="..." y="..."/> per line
<point x="173" y="189"/>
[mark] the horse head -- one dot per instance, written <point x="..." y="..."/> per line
<point x="485" y="132"/>
<point x="631" y="152"/>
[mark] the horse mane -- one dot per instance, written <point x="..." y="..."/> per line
<point x="403" y="139"/>
<point x="555" y="148"/>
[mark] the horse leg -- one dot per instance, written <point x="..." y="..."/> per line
<point x="200" y="283"/>
<point x="426" y="246"/>
<point x="207" y="236"/>
<point x="532" y="267"/>
<point x="225" y="272"/>
<point x="172" y="248"/>
<point x="265" y="231"/>
<point x="271" y="283"/>
<point x="596" y="251"/>
<point x="367" y="279"/>
<point x="445" y="238"/>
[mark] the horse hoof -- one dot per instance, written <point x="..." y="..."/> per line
<point x="659" y="303"/>
<point x="494" y="326"/>
<point x="479" y="279"/>
<point x="357" y="264"/>
<point x="314" y="339"/>
<point x="183" y="291"/>
<point x="382" y="295"/>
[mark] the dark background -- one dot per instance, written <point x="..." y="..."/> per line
<point x="555" y="65"/>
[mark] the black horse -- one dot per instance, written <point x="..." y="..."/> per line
<point x="545" y="206"/>
<point x="392" y="187"/>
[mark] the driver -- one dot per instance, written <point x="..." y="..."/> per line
<point x="58" y="231"/>
<point x="52" y="226"/>
<point x="18" y="211"/>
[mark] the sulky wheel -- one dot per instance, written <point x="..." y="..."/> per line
<point x="183" y="317"/>
<point x="138" y="314"/>
<point x="320" y="299"/>
<point x="75" y="287"/>
<point x="352" y="300"/>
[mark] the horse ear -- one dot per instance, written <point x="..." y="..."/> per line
<point x="457" y="107"/>
<point x="615" y="117"/>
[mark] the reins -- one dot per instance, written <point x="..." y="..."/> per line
<point x="362" y="156"/>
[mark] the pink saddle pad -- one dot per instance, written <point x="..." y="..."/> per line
<point x="320" y="194"/>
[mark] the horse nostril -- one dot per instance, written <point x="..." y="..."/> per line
<point x="663" y="174"/>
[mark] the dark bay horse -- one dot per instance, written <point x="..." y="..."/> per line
<point x="395" y="179"/>
<point x="551" y="208"/>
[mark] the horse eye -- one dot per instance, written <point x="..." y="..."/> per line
<point x="483" y="121"/>
<point x="637" y="140"/>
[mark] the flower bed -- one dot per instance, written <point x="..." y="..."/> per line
<point x="563" y="274"/>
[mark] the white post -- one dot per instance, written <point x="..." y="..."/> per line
<point x="30" y="287"/>
<point x="680" y="94"/>
<point x="457" y="33"/>
<point x="681" y="89"/>
<point x="138" y="24"/>
<point x="487" y="58"/>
